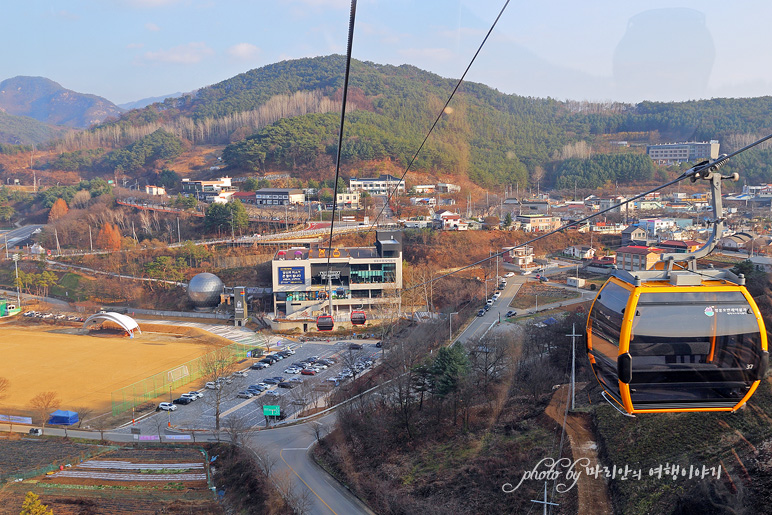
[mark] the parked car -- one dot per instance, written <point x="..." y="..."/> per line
<point x="296" y="380"/>
<point x="288" y="384"/>
<point x="489" y="302"/>
<point x="292" y="370"/>
<point x="308" y="372"/>
<point x="496" y="296"/>
<point x="379" y="344"/>
<point x="259" y="365"/>
<point x="189" y="396"/>
<point x="211" y="385"/>
<point x="289" y="351"/>
<point x="239" y="373"/>
<point x="272" y="393"/>
<point x="259" y="387"/>
<point x="511" y="313"/>
<point x="166" y="406"/>
<point x="36" y="431"/>
<point x="509" y="274"/>
<point x="245" y="394"/>
<point x="194" y="393"/>
<point x="354" y="346"/>
<point x="481" y="313"/>
<point x="182" y="400"/>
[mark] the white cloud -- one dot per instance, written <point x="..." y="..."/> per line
<point x="244" y="51"/>
<point x="190" y="53"/>
<point x="152" y="27"/>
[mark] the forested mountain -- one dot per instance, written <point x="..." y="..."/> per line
<point x="22" y="130"/>
<point x="47" y="101"/>
<point x="285" y="116"/>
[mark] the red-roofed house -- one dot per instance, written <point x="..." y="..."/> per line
<point x="636" y="257"/>
<point x="680" y="245"/>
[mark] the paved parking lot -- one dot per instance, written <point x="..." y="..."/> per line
<point x="200" y="414"/>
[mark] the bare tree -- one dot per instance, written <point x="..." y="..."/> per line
<point x="238" y="429"/>
<point x="101" y="424"/>
<point x="266" y="459"/>
<point x="351" y="357"/>
<point x="43" y="404"/>
<point x="217" y="367"/>
<point x="83" y="411"/>
<point x="299" y="499"/>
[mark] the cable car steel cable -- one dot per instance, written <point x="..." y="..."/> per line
<point x="439" y="116"/>
<point x="693" y="172"/>
<point x="327" y="322"/>
<point x="672" y="339"/>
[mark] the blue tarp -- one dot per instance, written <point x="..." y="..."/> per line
<point x="550" y="321"/>
<point x="63" y="418"/>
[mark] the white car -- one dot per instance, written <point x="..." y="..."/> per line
<point x="292" y="370"/>
<point x="272" y="393"/>
<point x="189" y="396"/>
<point x="509" y="274"/>
<point x="496" y="296"/>
<point x="194" y="393"/>
<point x="239" y="373"/>
<point x="167" y="406"/>
<point x="212" y="385"/>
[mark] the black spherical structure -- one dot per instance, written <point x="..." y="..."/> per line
<point x="204" y="290"/>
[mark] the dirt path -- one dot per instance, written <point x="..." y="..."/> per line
<point x="593" y="494"/>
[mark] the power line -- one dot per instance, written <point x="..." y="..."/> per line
<point x="695" y="172"/>
<point x="439" y="116"/>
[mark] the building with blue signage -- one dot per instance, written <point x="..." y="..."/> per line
<point x="358" y="278"/>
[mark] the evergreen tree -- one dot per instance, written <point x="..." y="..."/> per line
<point x="33" y="506"/>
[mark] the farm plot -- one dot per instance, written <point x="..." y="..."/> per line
<point x="123" y="481"/>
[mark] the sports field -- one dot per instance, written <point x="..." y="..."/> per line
<point x="84" y="369"/>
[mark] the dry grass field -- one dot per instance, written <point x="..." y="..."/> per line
<point x="83" y="369"/>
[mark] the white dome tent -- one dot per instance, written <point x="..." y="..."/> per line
<point x="126" y="322"/>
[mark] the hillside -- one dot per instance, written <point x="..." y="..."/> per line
<point x="284" y="118"/>
<point x="23" y="130"/>
<point x="47" y="101"/>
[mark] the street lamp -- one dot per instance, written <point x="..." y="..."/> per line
<point x="450" y="323"/>
<point x="16" y="266"/>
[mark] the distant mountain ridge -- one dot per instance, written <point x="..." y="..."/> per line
<point x="144" y="102"/>
<point x="47" y="101"/>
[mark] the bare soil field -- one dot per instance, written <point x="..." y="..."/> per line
<point x="83" y="369"/>
<point x="155" y="493"/>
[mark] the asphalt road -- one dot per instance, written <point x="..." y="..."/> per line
<point x="15" y="236"/>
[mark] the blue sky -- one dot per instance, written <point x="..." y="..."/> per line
<point x="125" y="50"/>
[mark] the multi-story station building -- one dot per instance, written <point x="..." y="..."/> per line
<point x="360" y="278"/>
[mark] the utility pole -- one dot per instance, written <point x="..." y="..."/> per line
<point x="179" y="239"/>
<point x="573" y="336"/>
<point x="450" y="321"/>
<point x="6" y="245"/>
<point x="58" y="248"/>
<point x="545" y="502"/>
<point x="91" y="241"/>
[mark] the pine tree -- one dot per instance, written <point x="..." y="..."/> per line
<point x="33" y="506"/>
